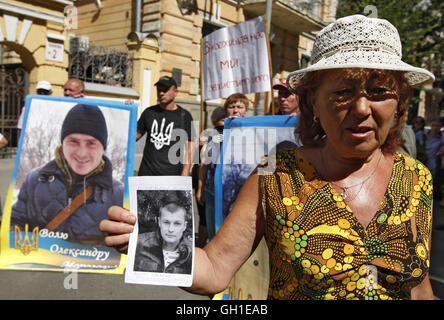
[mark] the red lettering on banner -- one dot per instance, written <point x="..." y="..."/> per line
<point x="229" y="64"/>
<point x="257" y="36"/>
<point x="261" y="77"/>
<point x="231" y="42"/>
<point x="239" y="83"/>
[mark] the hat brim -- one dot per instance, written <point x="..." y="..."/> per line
<point x="277" y="86"/>
<point x="43" y="87"/>
<point x="343" y="60"/>
<point x="166" y="83"/>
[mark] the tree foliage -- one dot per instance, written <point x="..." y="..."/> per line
<point x="420" y="24"/>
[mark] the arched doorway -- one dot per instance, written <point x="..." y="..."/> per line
<point x="14" y="86"/>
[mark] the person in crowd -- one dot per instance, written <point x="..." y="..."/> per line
<point x="74" y="88"/>
<point x="236" y="105"/>
<point x="72" y="193"/>
<point x="287" y="101"/>
<point x="205" y="184"/>
<point x="418" y="124"/>
<point x="43" y="88"/>
<point x="408" y="138"/>
<point x="432" y="142"/>
<point x="288" y="104"/>
<point x="3" y="141"/>
<point x="167" y="249"/>
<point x="217" y="119"/>
<point x="202" y="233"/>
<point x="161" y="123"/>
<point x="344" y="216"/>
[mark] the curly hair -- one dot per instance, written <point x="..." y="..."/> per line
<point x="311" y="133"/>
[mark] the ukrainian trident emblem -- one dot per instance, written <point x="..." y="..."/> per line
<point x="23" y="243"/>
<point x="161" y="137"/>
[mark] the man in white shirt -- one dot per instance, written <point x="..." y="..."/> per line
<point x="43" y="88"/>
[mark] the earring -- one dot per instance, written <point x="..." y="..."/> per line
<point x="315" y="119"/>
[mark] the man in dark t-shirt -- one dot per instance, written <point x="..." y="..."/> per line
<point x="169" y="134"/>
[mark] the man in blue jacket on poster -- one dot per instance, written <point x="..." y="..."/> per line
<point x="71" y="194"/>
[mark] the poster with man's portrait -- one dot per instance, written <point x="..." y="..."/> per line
<point x="249" y="142"/>
<point x="161" y="247"/>
<point x="73" y="162"/>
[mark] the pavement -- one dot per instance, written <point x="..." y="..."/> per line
<point x="46" y="285"/>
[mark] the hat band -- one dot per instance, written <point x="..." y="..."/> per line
<point x="354" y="48"/>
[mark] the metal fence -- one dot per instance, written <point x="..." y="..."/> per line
<point x="14" y="85"/>
<point x="97" y="64"/>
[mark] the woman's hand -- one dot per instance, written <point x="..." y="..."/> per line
<point x="118" y="227"/>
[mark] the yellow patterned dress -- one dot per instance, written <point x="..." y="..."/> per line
<point x="319" y="250"/>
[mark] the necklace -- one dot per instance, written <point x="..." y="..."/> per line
<point x="344" y="194"/>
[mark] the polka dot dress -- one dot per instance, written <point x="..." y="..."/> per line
<point x="319" y="250"/>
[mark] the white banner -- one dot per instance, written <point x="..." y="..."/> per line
<point x="235" y="60"/>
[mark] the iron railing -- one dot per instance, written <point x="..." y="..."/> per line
<point x="97" y="64"/>
<point x="13" y="89"/>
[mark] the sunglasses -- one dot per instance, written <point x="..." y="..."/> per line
<point x="43" y="92"/>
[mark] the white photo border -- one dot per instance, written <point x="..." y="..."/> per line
<point x="170" y="183"/>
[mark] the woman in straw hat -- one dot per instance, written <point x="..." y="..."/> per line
<point x="344" y="216"/>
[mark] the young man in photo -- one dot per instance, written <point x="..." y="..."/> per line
<point x="72" y="193"/>
<point x="167" y="249"/>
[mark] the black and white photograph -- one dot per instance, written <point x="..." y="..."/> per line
<point x="161" y="247"/>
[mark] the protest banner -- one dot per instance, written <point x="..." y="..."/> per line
<point x="236" y="60"/>
<point x="73" y="162"/>
<point x="247" y="143"/>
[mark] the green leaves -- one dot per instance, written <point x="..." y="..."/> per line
<point x="420" y="24"/>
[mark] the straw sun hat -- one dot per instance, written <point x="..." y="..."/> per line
<point x="359" y="42"/>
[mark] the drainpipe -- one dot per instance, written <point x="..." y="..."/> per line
<point x="138" y="15"/>
<point x="260" y="106"/>
<point x="268" y="13"/>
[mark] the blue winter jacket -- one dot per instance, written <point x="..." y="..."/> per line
<point x="44" y="194"/>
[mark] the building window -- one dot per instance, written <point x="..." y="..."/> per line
<point x="97" y="64"/>
<point x="208" y="28"/>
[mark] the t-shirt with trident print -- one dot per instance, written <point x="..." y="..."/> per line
<point x="162" y="131"/>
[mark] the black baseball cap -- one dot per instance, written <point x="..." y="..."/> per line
<point x="166" y="81"/>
